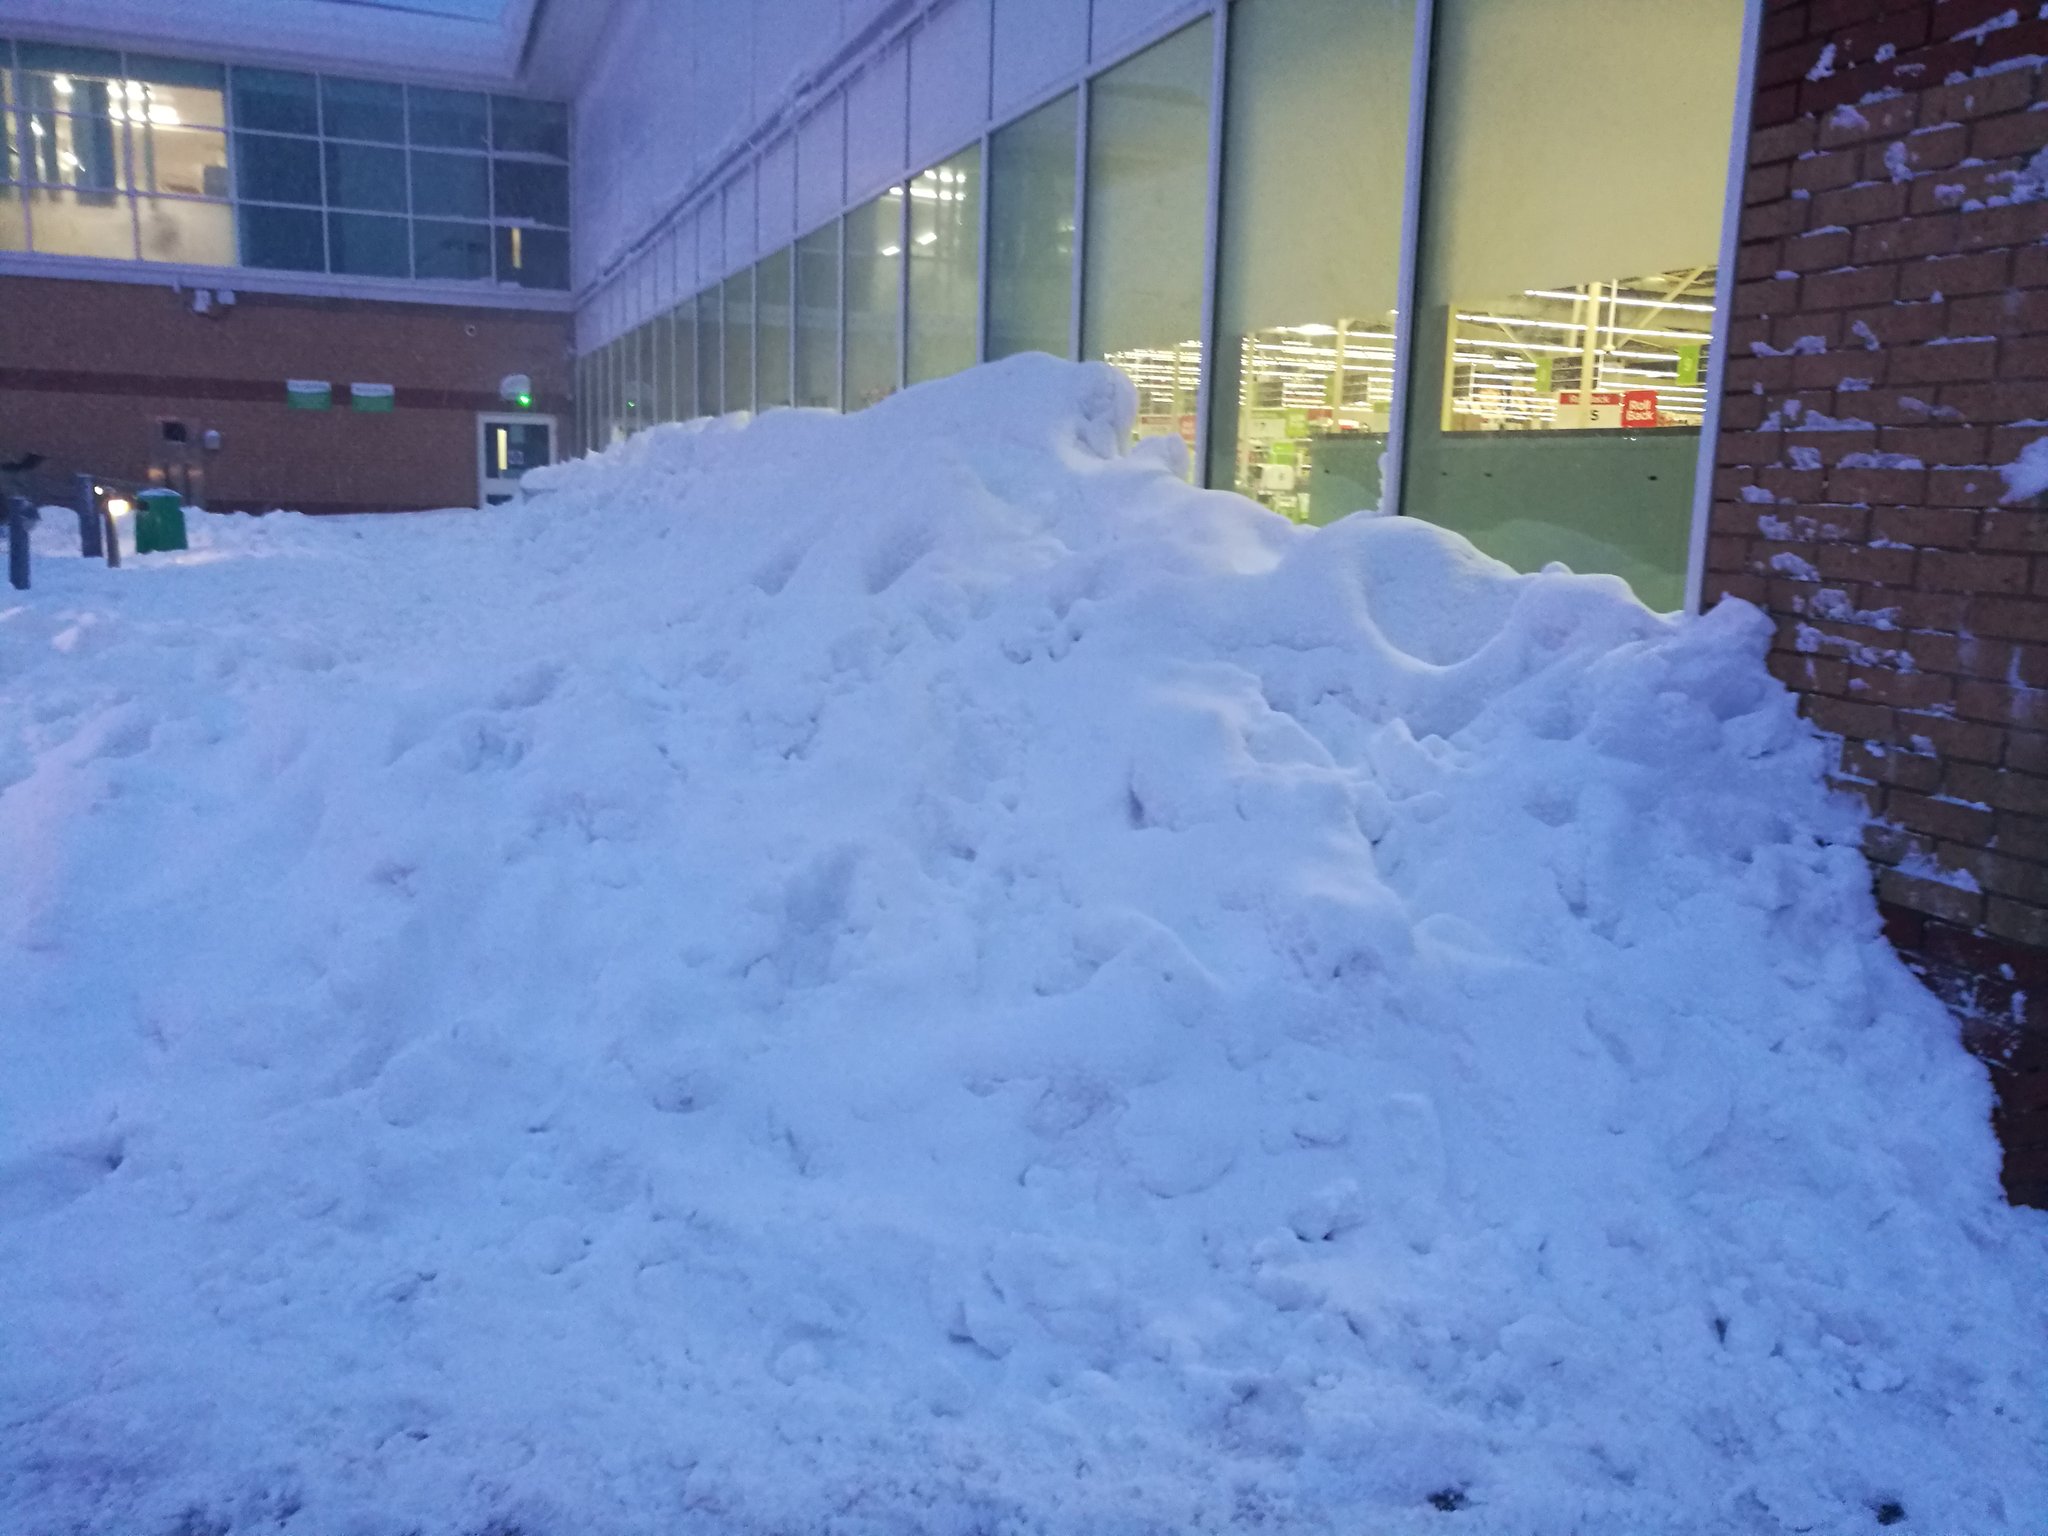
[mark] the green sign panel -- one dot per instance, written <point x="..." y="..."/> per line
<point x="372" y="397"/>
<point x="308" y="394"/>
<point x="1689" y="363"/>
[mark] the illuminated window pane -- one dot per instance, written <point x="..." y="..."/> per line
<point x="185" y="162"/>
<point x="1031" y="232"/>
<point x="874" y="298"/>
<point x="1148" y="182"/>
<point x="771" y="329"/>
<point x="1305" y="315"/>
<point x="710" y="353"/>
<point x="174" y="229"/>
<point x="945" y="268"/>
<point x="1565" y="298"/>
<point x="85" y="152"/>
<point x="739" y="341"/>
<point x="13" y="220"/>
<point x="817" y="323"/>
<point x="82" y="223"/>
<point x="176" y="92"/>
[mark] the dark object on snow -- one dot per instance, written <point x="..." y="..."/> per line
<point x="1890" y="1512"/>
<point x="22" y="465"/>
<point x="1448" y="1499"/>
<point x="20" y="514"/>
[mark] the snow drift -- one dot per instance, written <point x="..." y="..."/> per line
<point x="911" y="972"/>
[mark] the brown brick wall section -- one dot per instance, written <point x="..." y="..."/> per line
<point x="1888" y="352"/>
<point x="76" y="358"/>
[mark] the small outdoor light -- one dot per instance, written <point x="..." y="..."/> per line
<point x="118" y="506"/>
<point x="516" y="389"/>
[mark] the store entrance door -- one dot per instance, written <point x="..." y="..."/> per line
<point x="507" y="447"/>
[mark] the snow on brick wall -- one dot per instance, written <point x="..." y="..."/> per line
<point x="1888" y="369"/>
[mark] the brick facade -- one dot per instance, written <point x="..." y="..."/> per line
<point x="1888" y="353"/>
<point x="89" y="371"/>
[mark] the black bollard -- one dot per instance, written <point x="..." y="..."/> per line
<point x="85" y="498"/>
<point x="18" y="510"/>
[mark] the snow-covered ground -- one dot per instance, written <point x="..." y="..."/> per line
<point x="912" y="973"/>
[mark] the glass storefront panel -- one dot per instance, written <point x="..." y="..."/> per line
<point x="661" y="386"/>
<point x="1148" y="193"/>
<point x="710" y="352"/>
<point x="83" y="151"/>
<point x="817" y="318"/>
<point x="683" y="359"/>
<point x="874" y="299"/>
<point x="451" y="186"/>
<point x="739" y="341"/>
<point x="1031" y="174"/>
<point x="771" y="329"/>
<point x="176" y="92"/>
<point x="451" y="119"/>
<point x="174" y="229"/>
<point x="942" y="335"/>
<point x="1311" y="255"/>
<point x="13" y="220"/>
<point x="1566" y="292"/>
<point x="276" y="101"/>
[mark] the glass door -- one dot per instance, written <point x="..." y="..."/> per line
<point x="507" y="447"/>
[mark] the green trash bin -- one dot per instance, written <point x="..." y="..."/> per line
<point x="159" y="522"/>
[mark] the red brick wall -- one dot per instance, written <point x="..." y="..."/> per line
<point x="88" y="369"/>
<point x="1889" y="351"/>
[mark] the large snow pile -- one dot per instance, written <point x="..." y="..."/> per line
<point x="912" y="973"/>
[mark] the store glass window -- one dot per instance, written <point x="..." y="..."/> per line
<point x="1147" y="221"/>
<point x="710" y="352"/>
<point x="276" y="101"/>
<point x="661" y="384"/>
<point x="1566" y="295"/>
<point x="362" y="109"/>
<point x="945" y="268"/>
<point x="1031" y="176"/>
<point x="450" y="186"/>
<point x="286" y="239"/>
<point x="368" y="245"/>
<point x="526" y="127"/>
<point x="771" y="330"/>
<point x="449" y="119"/>
<point x="178" y="229"/>
<point x="739" y="341"/>
<point x="817" y="319"/>
<point x="1311" y="260"/>
<point x="366" y="176"/>
<point x="68" y="223"/>
<point x="454" y="252"/>
<point x="683" y="359"/>
<point x="270" y="169"/>
<point x="874" y="299"/>
<point x="533" y="258"/>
